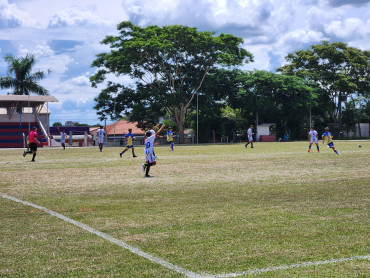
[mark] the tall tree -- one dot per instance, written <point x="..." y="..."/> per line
<point x="21" y="78"/>
<point x="169" y="65"/>
<point x="275" y="98"/>
<point x="340" y="70"/>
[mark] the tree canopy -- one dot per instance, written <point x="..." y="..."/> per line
<point x="21" y="78"/>
<point x="339" y="69"/>
<point x="169" y="65"/>
<point x="275" y="98"/>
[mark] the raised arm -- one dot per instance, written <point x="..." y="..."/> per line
<point x="162" y="127"/>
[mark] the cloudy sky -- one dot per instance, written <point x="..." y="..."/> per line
<point x="65" y="35"/>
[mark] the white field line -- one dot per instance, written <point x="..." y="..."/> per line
<point x="118" y="242"/>
<point x="284" y="267"/>
<point x="170" y="266"/>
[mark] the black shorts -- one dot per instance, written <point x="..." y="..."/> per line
<point x="33" y="146"/>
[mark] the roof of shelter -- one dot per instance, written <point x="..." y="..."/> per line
<point x="122" y="126"/>
<point x="24" y="100"/>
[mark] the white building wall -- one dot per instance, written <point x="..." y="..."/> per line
<point x="364" y="128"/>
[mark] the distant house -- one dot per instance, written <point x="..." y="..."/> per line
<point x="121" y="127"/>
<point x="116" y="130"/>
<point x="264" y="133"/>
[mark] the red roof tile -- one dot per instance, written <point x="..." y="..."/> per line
<point x="122" y="126"/>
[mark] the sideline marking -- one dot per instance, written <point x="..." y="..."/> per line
<point x="118" y="242"/>
<point x="168" y="265"/>
<point x="284" y="267"/>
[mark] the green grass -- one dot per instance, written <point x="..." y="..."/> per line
<point x="211" y="209"/>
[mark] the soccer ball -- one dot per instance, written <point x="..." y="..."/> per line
<point x="360" y="146"/>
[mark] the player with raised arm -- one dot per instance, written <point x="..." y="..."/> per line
<point x="328" y="138"/>
<point x="148" y="151"/>
<point x="129" y="145"/>
<point x="313" y="138"/>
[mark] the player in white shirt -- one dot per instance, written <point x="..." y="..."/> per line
<point x="148" y="150"/>
<point x="313" y="138"/>
<point x="153" y="132"/>
<point x="250" y="136"/>
<point x="100" y="136"/>
<point x="63" y="136"/>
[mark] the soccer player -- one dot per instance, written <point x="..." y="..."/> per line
<point x="129" y="145"/>
<point x="169" y="135"/>
<point x="151" y="129"/>
<point x="250" y="136"/>
<point x="32" y="137"/>
<point x="148" y="151"/>
<point x="63" y="136"/>
<point x="313" y="138"/>
<point x="101" y="135"/>
<point x="328" y="138"/>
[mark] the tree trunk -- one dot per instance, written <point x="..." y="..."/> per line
<point x="179" y="121"/>
<point x="339" y="114"/>
<point x="181" y="133"/>
<point x="359" y="129"/>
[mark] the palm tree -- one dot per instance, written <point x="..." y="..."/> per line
<point x="25" y="81"/>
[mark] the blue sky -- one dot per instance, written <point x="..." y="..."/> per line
<point x="65" y="35"/>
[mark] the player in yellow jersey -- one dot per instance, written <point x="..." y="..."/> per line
<point x="129" y="145"/>
<point x="169" y="135"/>
<point x="328" y="138"/>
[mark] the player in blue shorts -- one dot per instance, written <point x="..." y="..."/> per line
<point x="169" y="135"/>
<point x="328" y="138"/>
<point x="129" y="145"/>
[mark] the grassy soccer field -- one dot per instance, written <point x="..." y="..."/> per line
<point x="209" y="209"/>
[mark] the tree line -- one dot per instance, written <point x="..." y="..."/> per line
<point x="178" y="71"/>
<point x="172" y="65"/>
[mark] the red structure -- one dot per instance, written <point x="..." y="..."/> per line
<point x="18" y="113"/>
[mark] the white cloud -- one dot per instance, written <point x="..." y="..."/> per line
<point x="38" y="48"/>
<point x="75" y="17"/>
<point x="352" y="28"/>
<point x="81" y="81"/>
<point x="261" y="57"/>
<point x="12" y="17"/>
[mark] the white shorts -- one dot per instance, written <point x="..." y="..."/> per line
<point x="314" y="141"/>
<point x="250" y="138"/>
<point x="149" y="158"/>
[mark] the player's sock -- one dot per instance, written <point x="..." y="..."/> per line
<point x="318" y="149"/>
<point x="336" y="151"/>
<point x="171" y="146"/>
<point x="251" y="145"/>
<point x="33" y="157"/>
<point x="147" y="170"/>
